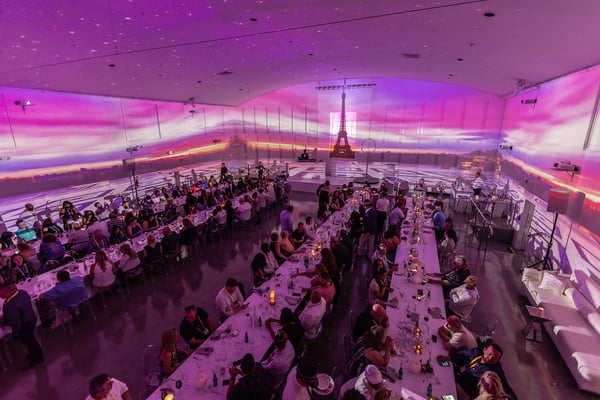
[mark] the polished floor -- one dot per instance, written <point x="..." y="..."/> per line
<point x="114" y="343"/>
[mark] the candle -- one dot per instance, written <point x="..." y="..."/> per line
<point x="272" y="297"/>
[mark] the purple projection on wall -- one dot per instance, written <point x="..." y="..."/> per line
<point x="63" y="133"/>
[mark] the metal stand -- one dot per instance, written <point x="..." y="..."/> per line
<point x="546" y="260"/>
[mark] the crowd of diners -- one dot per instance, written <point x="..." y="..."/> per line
<point x="373" y="234"/>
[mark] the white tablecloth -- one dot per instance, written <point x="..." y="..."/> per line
<point x="402" y="327"/>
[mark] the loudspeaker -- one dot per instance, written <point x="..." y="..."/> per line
<point x="558" y="200"/>
<point x="575" y="204"/>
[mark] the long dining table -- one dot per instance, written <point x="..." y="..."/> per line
<point x="196" y="376"/>
<point x="416" y="310"/>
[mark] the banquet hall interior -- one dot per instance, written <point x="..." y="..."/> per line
<point x="485" y="111"/>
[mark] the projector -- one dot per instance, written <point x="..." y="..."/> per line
<point x="505" y="146"/>
<point x="528" y="101"/>
<point x="567" y="166"/>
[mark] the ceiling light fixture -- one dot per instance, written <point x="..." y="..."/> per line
<point x="348" y="86"/>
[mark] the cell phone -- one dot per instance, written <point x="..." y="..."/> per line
<point x="434" y="338"/>
<point x="420" y="292"/>
<point x="444" y="363"/>
<point x="237" y="362"/>
<point x="226" y="382"/>
<point x="448" y="397"/>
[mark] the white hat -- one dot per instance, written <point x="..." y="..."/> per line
<point x="373" y="375"/>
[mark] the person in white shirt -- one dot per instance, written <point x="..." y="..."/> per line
<point x="229" y="300"/>
<point x="280" y="360"/>
<point x="370" y="384"/>
<point x="244" y="210"/>
<point x="271" y="192"/>
<point x="310" y="228"/>
<point x="29" y="215"/>
<point x="271" y="261"/>
<point x="221" y="216"/>
<point x="312" y="315"/>
<point x="477" y="184"/>
<point x="299" y="381"/>
<point x="455" y="335"/>
<point x="103" y="387"/>
<point x="464" y="298"/>
<point x="263" y="199"/>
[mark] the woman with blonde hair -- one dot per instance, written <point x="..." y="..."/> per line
<point x="170" y="355"/>
<point x="102" y="275"/>
<point x="490" y="387"/>
<point x="129" y="259"/>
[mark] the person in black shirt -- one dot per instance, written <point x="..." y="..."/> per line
<point x="299" y="235"/>
<point x="19" y="315"/>
<point x="196" y="326"/>
<point x="374" y="315"/>
<point x="289" y="324"/>
<point x="252" y="385"/>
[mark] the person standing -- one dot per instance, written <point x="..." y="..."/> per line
<point x="287" y="219"/>
<point x="19" y="315"/>
<point x="223" y="172"/>
<point x="477" y="184"/>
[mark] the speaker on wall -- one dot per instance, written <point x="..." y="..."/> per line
<point x="575" y="204"/>
<point x="558" y="200"/>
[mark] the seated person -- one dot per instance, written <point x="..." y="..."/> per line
<point x="68" y="292"/>
<point x="244" y="210"/>
<point x="279" y="362"/>
<point x="373" y="347"/>
<point x="170" y="356"/>
<point x="454" y="277"/>
<point x="51" y="248"/>
<point x="170" y="213"/>
<point x="259" y="264"/>
<point x="455" y="335"/>
<point x="117" y="235"/>
<point x="324" y="284"/>
<point x="20" y="269"/>
<point x="88" y="219"/>
<point x="49" y="226"/>
<point x="290" y="324"/>
<point x="79" y="239"/>
<point x="196" y="326"/>
<point x="229" y="300"/>
<point x="189" y="234"/>
<point x="129" y="262"/>
<point x="300" y="381"/>
<point x="471" y="364"/>
<point x="25" y="233"/>
<point x="312" y="315"/>
<point x="464" y="298"/>
<point x="370" y="384"/>
<point x="285" y="245"/>
<point x="303" y="156"/>
<point x="99" y="241"/>
<point x="134" y="229"/>
<point x="299" y="235"/>
<point x="102" y="271"/>
<point x="150" y="222"/>
<point x="253" y="383"/>
<point x="102" y="211"/>
<point x="378" y="287"/>
<point x="152" y="251"/>
<point x="490" y="387"/>
<point x="170" y="241"/>
<point x="103" y="387"/>
<point x="374" y="315"/>
<point x="30" y="255"/>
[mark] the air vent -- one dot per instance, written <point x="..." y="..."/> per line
<point x="411" y="55"/>
<point x="225" y="73"/>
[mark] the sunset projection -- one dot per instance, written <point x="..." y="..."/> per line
<point x="64" y="139"/>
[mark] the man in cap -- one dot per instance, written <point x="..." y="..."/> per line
<point x="370" y="383"/>
<point x="299" y="381"/>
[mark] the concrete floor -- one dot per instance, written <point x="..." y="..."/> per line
<point x="115" y="342"/>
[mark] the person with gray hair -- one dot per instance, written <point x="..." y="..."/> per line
<point x="464" y="298"/>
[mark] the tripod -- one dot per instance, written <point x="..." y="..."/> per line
<point x="546" y="264"/>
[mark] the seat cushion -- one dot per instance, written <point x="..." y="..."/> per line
<point x="588" y="365"/>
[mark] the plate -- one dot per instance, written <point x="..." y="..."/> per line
<point x="325" y="384"/>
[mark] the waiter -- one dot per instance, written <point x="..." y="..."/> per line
<point x="19" y="315"/>
<point x="477" y="184"/>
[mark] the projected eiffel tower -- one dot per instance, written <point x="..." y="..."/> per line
<point x="342" y="150"/>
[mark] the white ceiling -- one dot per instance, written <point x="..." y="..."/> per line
<point x="174" y="50"/>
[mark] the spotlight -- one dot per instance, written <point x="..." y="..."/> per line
<point x="23" y="103"/>
<point x="505" y="146"/>
<point x="131" y="149"/>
